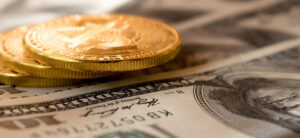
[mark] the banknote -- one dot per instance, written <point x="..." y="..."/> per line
<point x="236" y="76"/>
<point x="254" y="94"/>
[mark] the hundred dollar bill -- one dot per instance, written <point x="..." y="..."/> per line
<point x="250" y="95"/>
<point x="254" y="94"/>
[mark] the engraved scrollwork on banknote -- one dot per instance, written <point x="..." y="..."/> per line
<point x="253" y="100"/>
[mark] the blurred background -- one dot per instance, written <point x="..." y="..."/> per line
<point x="14" y="13"/>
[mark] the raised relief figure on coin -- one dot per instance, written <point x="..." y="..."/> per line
<point x="96" y="38"/>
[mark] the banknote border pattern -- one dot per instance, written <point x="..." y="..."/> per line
<point x="94" y="97"/>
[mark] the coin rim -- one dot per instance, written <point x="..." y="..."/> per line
<point x="25" y="80"/>
<point x="126" y="65"/>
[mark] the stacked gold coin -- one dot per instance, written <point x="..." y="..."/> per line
<point x="72" y="49"/>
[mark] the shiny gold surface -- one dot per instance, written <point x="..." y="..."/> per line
<point x="11" y="77"/>
<point x="111" y="42"/>
<point x="13" y="55"/>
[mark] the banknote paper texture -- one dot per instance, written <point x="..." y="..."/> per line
<point x="173" y="107"/>
<point x="236" y="76"/>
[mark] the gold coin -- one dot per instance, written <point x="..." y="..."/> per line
<point x="111" y="42"/>
<point x="14" y="78"/>
<point x="14" y="56"/>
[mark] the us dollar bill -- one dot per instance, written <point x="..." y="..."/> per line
<point x="250" y="92"/>
<point x="254" y="94"/>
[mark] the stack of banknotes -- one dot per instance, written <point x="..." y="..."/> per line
<point x="70" y="49"/>
<point x="237" y="74"/>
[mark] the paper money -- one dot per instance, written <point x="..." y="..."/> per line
<point x="231" y="91"/>
<point x="250" y="92"/>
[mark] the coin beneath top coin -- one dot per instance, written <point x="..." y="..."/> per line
<point x="15" y="57"/>
<point x="14" y="78"/>
<point x="111" y="42"/>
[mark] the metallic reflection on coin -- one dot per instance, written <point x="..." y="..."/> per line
<point x="14" y="56"/>
<point x="14" y="78"/>
<point x="112" y="42"/>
